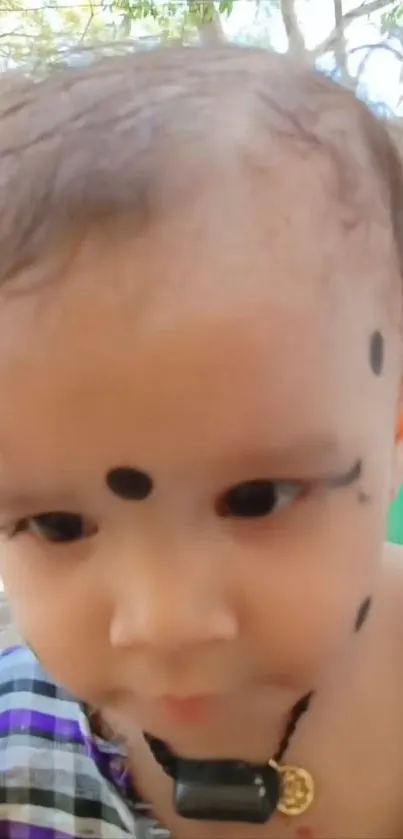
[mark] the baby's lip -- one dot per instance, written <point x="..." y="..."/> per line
<point x="189" y="709"/>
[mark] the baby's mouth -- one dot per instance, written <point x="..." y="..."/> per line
<point x="191" y="710"/>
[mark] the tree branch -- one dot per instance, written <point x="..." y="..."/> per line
<point x="383" y="45"/>
<point x="340" y="52"/>
<point x="87" y="25"/>
<point x="17" y="34"/>
<point x="362" y="10"/>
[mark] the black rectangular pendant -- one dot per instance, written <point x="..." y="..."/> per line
<point x="220" y="790"/>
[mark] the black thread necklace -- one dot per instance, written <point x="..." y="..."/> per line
<point x="234" y="790"/>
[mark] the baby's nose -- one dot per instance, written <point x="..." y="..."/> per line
<point x="169" y="614"/>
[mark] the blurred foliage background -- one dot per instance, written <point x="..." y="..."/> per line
<point x="360" y="43"/>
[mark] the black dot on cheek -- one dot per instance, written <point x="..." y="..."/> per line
<point x="128" y="483"/>
<point x="362" y="613"/>
<point x="376" y="352"/>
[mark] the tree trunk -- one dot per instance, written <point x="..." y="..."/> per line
<point x="209" y="22"/>
<point x="295" y="37"/>
<point x="211" y="31"/>
<point x="340" y="53"/>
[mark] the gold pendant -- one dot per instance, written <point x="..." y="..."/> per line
<point x="297" y="790"/>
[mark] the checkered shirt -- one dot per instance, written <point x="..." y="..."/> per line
<point x="57" y="779"/>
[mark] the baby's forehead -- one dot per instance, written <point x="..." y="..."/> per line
<point x="173" y="307"/>
<point x="208" y="393"/>
<point x="242" y="238"/>
<point x="235" y="254"/>
<point x="177" y="352"/>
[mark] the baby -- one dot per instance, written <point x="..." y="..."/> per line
<point x="200" y="374"/>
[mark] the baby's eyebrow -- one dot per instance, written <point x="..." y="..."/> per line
<point x="309" y="446"/>
<point x="320" y="451"/>
<point x="315" y="456"/>
<point x="24" y="501"/>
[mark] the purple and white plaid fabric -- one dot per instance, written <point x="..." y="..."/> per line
<point x="57" y="779"/>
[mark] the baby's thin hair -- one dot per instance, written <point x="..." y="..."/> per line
<point x="117" y="137"/>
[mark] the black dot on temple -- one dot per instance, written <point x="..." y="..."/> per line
<point x="128" y="483"/>
<point x="376" y="352"/>
<point x="363" y="613"/>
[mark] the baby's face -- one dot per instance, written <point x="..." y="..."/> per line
<point x="246" y="384"/>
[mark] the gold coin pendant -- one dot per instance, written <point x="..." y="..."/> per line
<point x="297" y="790"/>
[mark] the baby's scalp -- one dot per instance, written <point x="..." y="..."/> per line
<point x="137" y="134"/>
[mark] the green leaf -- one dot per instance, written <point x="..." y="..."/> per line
<point x="225" y="7"/>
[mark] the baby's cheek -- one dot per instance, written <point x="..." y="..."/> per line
<point x="61" y="617"/>
<point x="301" y="615"/>
<point x="72" y="649"/>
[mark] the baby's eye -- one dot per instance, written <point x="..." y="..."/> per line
<point x="255" y="499"/>
<point x="57" y="527"/>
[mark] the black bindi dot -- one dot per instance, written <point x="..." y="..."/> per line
<point x="376" y="352"/>
<point x="362" y="613"/>
<point x="130" y="484"/>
